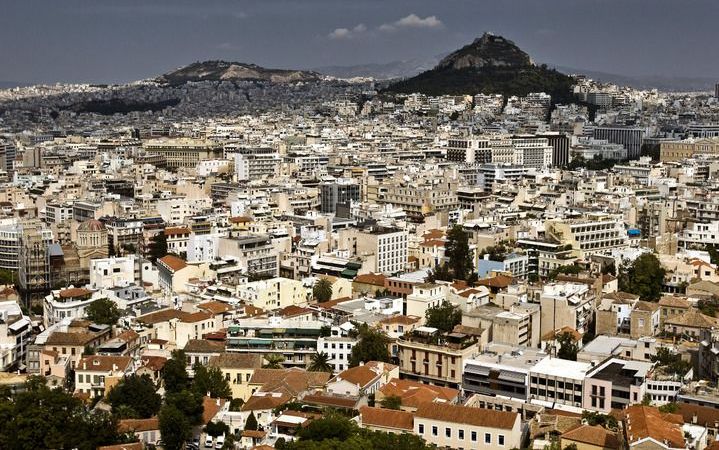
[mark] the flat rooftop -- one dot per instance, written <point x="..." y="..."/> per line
<point x="562" y="368"/>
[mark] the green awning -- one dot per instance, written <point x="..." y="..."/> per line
<point x="348" y="273"/>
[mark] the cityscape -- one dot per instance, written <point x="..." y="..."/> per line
<point x="467" y="249"/>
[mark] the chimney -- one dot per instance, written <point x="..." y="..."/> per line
<point x="694" y="418"/>
<point x="114" y="367"/>
<point x="84" y="365"/>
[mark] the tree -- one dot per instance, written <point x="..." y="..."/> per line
<point x="444" y="317"/>
<point x="103" y="311"/>
<point x="188" y="403"/>
<point x="603" y="420"/>
<point x="274" y="361"/>
<point x="458" y="253"/>
<point x="568" y="348"/>
<point x="671" y="362"/>
<point x="439" y="273"/>
<point x="136" y="393"/>
<point x="320" y="363"/>
<point x="210" y="380"/>
<point x="40" y="417"/>
<point x="372" y="346"/>
<point x="392" y="402"/>
<point x="158" y="246"/>
<point x="251" y="422"/>
<point x="322" y="290"/>
<point x="644" y="277"/>
<point x="215" y="429"/>
<point x="7" y="277"/>
<point x="175" y="429"/>
<point x="174" y="373"/>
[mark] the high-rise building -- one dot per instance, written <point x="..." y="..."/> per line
<point x="631" y="138"/>
<point x="7" y="156"/>
<point x="340" y="191"/>
<point x="560" y="147"/>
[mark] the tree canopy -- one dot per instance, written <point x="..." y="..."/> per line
<point x="671" y="362"/>
<point x="136" y="397"/>
<point x="568" y="348"/>
<point x="320" y="362"/>
<point x="322" y="290"/>
<point x="158" y="246"/>
<point x="392" y="402"/>
<point x="210" y="380"/>
<point x="372" y="346"/>
<point x="443" y="317"/>
<point x="103" y="311"/>
<point x="644" y="277"/>
<point x="40" y="417"/>
<point x="458" y="253"/>
<point x="175" y="429"/>
<point x="174" y="373"/>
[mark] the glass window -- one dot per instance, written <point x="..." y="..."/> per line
<point x="487" y="438"/>
<point x="434" y="431"/>
<point x="500" y="439"/>
<point x="474" y="436"/>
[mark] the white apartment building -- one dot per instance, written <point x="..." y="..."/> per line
<point x="699" y="235"/>
<point x="274" y="293"/>
<point x="388" y="247"/>
<point x="203" y="247"/>
<point x="423" y="297"/>
<point x="338" y="349"/>
<point x="590" y="235"/>
<point x="177" y="210"/>
<point x="257" y="165"/>
<point x="554" y="381"/>
<point x="15" y="330"/>
<point x="110" y="272"/>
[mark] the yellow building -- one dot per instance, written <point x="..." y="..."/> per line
<point x="275" y="293"/>
<point x="678" y="150"/>
<point x="238" y="368"/>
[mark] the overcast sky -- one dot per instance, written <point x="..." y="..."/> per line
<point x="124" y="40"/>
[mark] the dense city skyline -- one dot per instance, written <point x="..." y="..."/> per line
<point x="80" y="41"/>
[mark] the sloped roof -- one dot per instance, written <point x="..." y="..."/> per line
<point x="103" y="363"/>
<point x="647" y="422"/>
<point x="236" y="361"/>
<point x="692" y="318"/>
<point x="173" y="262"/>
<point x="593" y="435"/>
<point x="265" y="401"/>
<point x="375" y="279"/>
<point x="204" y="346"/>
<point x="387" y="418"/>
<point x="133" y="425"/>
<point x="414" y="393"/>
<point x="471" y="416"/>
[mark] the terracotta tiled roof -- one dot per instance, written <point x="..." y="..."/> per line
<point x="414" y="393"/>
<point x="375" y="279"/>
<point x="641" y="305"/>
<point x="401" y="319"/>
<point x="647" y="422"/>
<point x="74" y="292"/>
<point x="692" y="318"/>
<point x="675" y="302"/>
<point x="173" y="231"/>
<point x="705" y="415"/>
<point x="204" y="346"/>
<point x="211" y="406"/>
<point x="499" y="281"/>
<point x="155" y="363"/>
<point x="265" y="401"/>
<point x="161" y="316"/>
<point x="257" y="434"/>
<point x="294" y="310"/>
<point x="387" y="418"/>
<point x="131" y="446"/>
<point x="127" y="336"/>
<point x="236" y="361"/>
<point x="215" y="307"/>
<point x="240" y="219"/>
<point x="471" y="416"/>
<point x="64" y="338"/>
<point x="133" y="425"/>
<point x="173" y="262"/>
<point x="359" y="375"/>
<point x="103" y="363"/>
<point x="290" y="381"/>
<point x="330" y="400"/>
<point x="593" y="435"/>
<point x="196" y="317"/>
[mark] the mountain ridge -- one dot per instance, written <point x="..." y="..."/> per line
<point x="219" y="70"/>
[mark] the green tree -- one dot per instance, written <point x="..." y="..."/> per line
<point x="210" y="380"/>
<point x="458" y="252"/>
<point x="320" y="362"/>
<point x="322" y="290"/>
<point x="7" y="277"/>
<point x="644" y="277"/>
<point x="372" y="346"/>
<point x="174" y="373"/>
<point x="443" y="317"/>
<point x="669" y="408"/>
<point x="251" y="422"/>
<point x="187" y="402"/>
<point x="392" y="402"/>
<point x="439" y="273"/>
<point x="137" y="393"/>
<point x="103" y="311"/>
<point x="158" y="246"/>
<point x="40" y="417"/>
<point x="215" y="429"/>
<point x="274" y="361"/>
<point x="603" y="420"/>
<point x="671" y="362"/>
<point x="568" y="348"/>
<point x="175" y="429"/>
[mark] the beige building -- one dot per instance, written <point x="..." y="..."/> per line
<point x="183" y="152"/>
<point x="386" y="248"/>
<point x="588" y="437"/>
<point x="274" y="293"/>
<point x="427" y="356"/>
<point x="97" y="373"/>
<point x="238" y="368"/>
<point x="678" y="150"/>
<point x="595" y="233"/>
<point x="466" y="427"/>
<point x="566" y="305"/>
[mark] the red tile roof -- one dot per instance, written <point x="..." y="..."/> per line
<point x="480" y="417"/>
<point x="387" y="418"/>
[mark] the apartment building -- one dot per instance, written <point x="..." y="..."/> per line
<point x="254" y="253"/>
<point x="237" y="369"/>
<point x="594" y="234"/>
<point x="274" y="293"/>
<point x="106" y="273"/>
<point x="565" y="304"/>
<point x="385" y="249"/>
<point x="554" y="381"/>
<point x="15" y="333"/>
<point x="97" y="373"/>
<point x="464" y="427"/>
<point x="428" y="356"/>
<point x="501" y="370"/>
<point x="183" y="152"/>
<point x="338" y="350"/>
<point x="616" y="384"/>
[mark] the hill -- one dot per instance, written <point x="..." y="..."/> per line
<point x="490" y="64"/>
<point x="234" y="71"/>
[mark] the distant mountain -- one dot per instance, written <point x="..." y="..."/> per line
<point x="382" y="71"/>
<point x="662" y="83"/>
<point x="490" y="64"/>
<point x="234" y="71"/>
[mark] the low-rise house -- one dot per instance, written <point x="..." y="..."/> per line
<point x="647" y="428"/>
<point x="464" y="427"/>
<point x="691" y="324"/>
<point x="412" y="394"/>
<point x="15" y="332"/>
<point x="672" y="306"/>
<point x="588" y="437"/>
<point x="96" y="374"/>
<point x="362" y="380"/>
<point x="237" y="368"/>
<point x="147" y="431"/>
<point x="386" y="420"/>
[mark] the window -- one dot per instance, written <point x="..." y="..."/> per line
<point x="434" y="431"/>
<point x="421" y="428"/>
<point x="461" y="434"/>
<point x="448" y="432"/>
<point x="500" y="439"/>
<point x="487" y="438"/>
<point x="474" y="436"/>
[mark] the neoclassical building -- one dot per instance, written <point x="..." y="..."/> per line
<point x="91" y="242"/>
